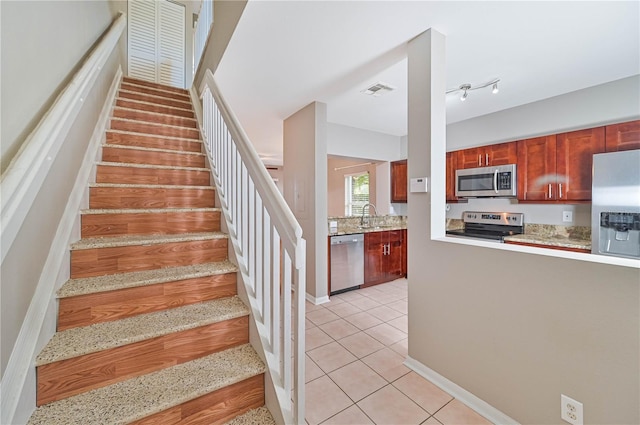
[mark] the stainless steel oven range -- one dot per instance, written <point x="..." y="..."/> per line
<point x="490" y="225"/>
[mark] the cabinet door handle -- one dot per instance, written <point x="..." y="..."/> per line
<point x="550" y="191"/>
<point x="560" y="190"/>
<point x="479" y="160"/>
<point x="486" y="159"/>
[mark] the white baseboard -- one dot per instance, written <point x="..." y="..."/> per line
<point x="18" y="385"/>
<point x="469" y="399"/>
<point x="316" y="301"/>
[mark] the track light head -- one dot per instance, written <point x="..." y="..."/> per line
<point x="464" y="87"/>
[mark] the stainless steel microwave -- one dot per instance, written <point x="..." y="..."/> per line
<point x="498" y="181"/>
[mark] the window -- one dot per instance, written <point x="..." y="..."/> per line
<point x="356" y="193"/>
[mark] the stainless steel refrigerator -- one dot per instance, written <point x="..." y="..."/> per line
<point x="615" y="211"/>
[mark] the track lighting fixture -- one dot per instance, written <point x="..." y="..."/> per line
<point x="465" y="88"/>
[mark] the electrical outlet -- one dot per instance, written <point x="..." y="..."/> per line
<point x="571" y="410"/>
<point x="567" y="216"/>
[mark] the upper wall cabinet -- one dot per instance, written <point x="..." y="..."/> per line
<point x="452" y="166"/>
<point x="399" y="181"/>
<point x="485" y="156"/>
<point x="623" y="137"/>
<point x="558" y="168"/>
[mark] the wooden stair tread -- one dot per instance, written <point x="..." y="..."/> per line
<point x="146" y="211"/>
<point x="151" y="103"/>
<point x="261" y="416"/>
<point x="132" y="80"/>
<point x="142" y="148"/>
<point x="159" y="167"/>
<point x="134" y="133"/>
<point x="158" y="91"/>
<point x="92" y="285"/>
<point x="145" y="395"/>
<point x="151" y="186"/>
<point x="79" y="341"/>
<point x="183" y="103"/>
<point x="132" y="240"/>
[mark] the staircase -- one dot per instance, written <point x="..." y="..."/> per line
<point x="150" y="328"/>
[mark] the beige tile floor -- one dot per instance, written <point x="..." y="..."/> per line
<point x="356" y="345"/>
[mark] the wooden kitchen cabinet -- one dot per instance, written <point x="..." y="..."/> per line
<point x="452" y="163"/>
<point x="404" y="252"/>
<point x="485" y="156"/>
<point x="558" y="168"/>
<point x="622" y="137"/>
<point x="383" y="256"/>
<point x="399" y="181"/>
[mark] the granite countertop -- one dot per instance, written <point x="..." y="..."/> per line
<point x="381" y="223"/>
<point x="552" y="240"/>
<point x="355" y="230"/>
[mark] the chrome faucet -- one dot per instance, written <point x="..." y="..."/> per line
<point x="375" y="212"/>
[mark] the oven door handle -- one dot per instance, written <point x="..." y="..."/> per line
<point x="495" y="180"/>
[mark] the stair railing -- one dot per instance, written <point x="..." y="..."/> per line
<point x="203" y="26"/>
<point x="268" y="243"/>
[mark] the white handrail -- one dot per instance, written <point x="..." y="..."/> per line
<point x="23" y="178"/>
<point x="268" y="243"/>
<point x="203" y="26"/>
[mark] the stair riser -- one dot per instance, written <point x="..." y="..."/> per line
<point x="124" y="197"/>
<point x="156" y="92"/>
<point x="154" y="99"/>
<point x="131" y="175"/>
<point x="123" y="259"/>
<point x="214" y="408"/>
<point x="157" y="142"/>
<point x="65" y="378"/>
<point x="93" y="225"/>
<point x="161" y="109"/>
<point x="132" y="156"/>
<point x="153" y="85"/>
<point x="88" y="309"/>
<point x="159" y="130"/>
<point x="152" y="117"/>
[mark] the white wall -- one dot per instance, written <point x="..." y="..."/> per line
<point x="42" y="43"/>
<point x="517" y="329"/>
<point x="358" y="143"/>
<point x="305" y="188"/>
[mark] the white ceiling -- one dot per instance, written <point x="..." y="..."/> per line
<point x="287" y="54"/>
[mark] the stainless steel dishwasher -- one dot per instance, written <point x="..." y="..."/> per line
<point x="347" y="262"/>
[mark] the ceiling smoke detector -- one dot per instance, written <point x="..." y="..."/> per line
<point x="378" y="89"/>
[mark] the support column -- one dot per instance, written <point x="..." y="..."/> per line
<point x="305" y="189"/>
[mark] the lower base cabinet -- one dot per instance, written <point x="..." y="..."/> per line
<point x="384" y="256"/>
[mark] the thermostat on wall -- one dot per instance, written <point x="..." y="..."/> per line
<point x="419" y="184"/>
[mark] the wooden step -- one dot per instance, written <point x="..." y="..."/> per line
<point x="138" y="82"/>
<point x="154" y="117"/>
<point x="123" y="138"/>
<point x="162" y="221"/>
<point x="184" y="97"/>
<point x="102" y="256"/>
<point x="166" y="389"/>
<point x="154" y="129"/>
<point x="158" y="100"/>
<point x="119" y="196"/>
<point x="91" y="300"/>
<point x="81" y="359"/>
<point x="152" y="107"/>
<point x="151" y="156"/>
<point x="121" y="173"/>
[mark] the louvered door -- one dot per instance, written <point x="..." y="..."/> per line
<point x="157" y="41"/>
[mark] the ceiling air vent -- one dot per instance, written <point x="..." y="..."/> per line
<point x="378" y="89"/>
